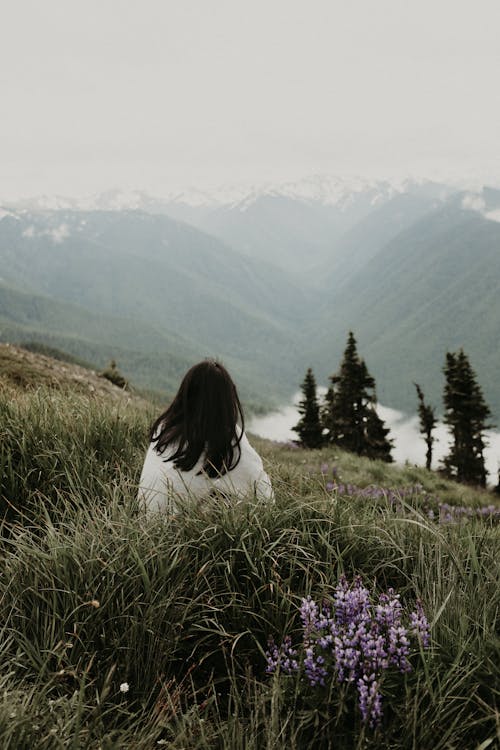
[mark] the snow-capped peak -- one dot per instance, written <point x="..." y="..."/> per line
<point x="323" y="189"/>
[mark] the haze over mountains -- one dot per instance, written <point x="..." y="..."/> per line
<point x="271" y="280"/>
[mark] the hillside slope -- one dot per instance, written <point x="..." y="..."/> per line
<point x="21" y="368"/>
<point x="166" y="282"/>
<point x="432" y="289"/>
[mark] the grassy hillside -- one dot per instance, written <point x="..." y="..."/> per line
<point x="121" y="631"/>
<point x="26" y="370"/>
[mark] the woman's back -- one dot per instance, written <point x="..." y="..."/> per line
<point x="198" y="445"/>
<point x="161" y="482"/>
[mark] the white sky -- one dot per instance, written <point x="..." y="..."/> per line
<point x="158" y="94"/>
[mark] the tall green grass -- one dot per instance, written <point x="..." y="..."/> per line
<point x="94" y="595"/>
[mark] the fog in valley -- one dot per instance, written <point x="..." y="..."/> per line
<point x="409" y="444"/>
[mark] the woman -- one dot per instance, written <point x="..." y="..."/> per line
<point x="198" y="445"/>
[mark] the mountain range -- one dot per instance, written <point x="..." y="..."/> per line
<point x="270" y="280"/>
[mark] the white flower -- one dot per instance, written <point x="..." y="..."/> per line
<point x="124" y="687"/>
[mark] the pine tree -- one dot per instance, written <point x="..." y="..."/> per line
<point x="427" y="423"/>
<point x="309" y="428"/>
<point x="378" y="444"/>
<point x="349" y="412"/>
<point x="466" y="413"/>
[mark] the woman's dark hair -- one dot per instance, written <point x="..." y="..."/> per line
<point x="202" y="418"/>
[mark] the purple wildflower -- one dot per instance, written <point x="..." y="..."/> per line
<point x="283" y="658"/>
<point x="353" y="641"/>
<point x="370" y="700"/>
<point x="420" y="625"/>
<point x="352" y="603"/>
<point x="314" y="668"/>
<point x="308" y="614"/>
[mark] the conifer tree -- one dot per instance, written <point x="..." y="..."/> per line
<point x="427" y="423"/>
<point x="309" y="428"/>
<point x="466" y="413"/>
<point x="378" y="444"/>
<point x="349" y="413"/>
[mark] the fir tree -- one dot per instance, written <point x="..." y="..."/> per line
<point x="309" y="428"/>
<point x="427" y="423"/>
<point x="349" y="413"/>
<point x="378" y="445"/>
<point x="467" y="414"/>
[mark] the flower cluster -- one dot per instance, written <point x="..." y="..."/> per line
<point x="453" y="513"/>
<point x="413" y="494"/>
<point x="353" y="641"/>
<point x="393" y="495"/>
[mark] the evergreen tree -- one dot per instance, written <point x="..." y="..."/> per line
<point x="309" y="428"/>
<point x="349" y="413"/>
<point x="378" y="444"/>
<point x="466" y="413"/>
<point x="427" y="423"/>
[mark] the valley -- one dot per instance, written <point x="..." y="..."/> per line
<point x="270" y="281"/>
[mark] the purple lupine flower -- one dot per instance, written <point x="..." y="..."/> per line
<point x="347" y="656"/>
<point x="388" y="610"/>
<point x="273" y="656"/>
<point x="309" y="612"/>
<point x="370" y="700"/>
<point x="354" y="641"/>
<point x="314" y="668"/>
<point x="374" y="648"/>
<point x="282" y="657"/>
<point x="399" y="648"/>
<point x="352" y="603"/>
<point x="454" y="513"/>
<point x="420" y="625"/>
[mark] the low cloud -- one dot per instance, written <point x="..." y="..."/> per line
<point x="57" y="234"/>
<point x="471" y="202"/>
<point x="475" y="202"/>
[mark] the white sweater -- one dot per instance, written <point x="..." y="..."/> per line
<point x="161" y="482"/>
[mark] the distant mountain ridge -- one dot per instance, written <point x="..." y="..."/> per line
<point x="291" y="224"/>
<point x="271" y="282"/>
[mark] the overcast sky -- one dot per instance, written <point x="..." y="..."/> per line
<point x="158" y="94"/>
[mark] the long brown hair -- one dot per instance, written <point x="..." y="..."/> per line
<point x="202" y="418"/>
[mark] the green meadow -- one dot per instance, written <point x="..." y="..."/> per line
<point x="125" y="631"/>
